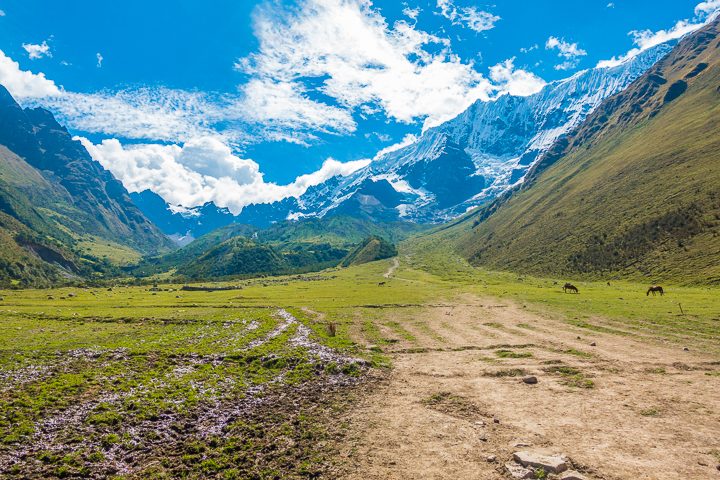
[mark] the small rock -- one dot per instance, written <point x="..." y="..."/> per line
<point x="686" y="349"/>
<point x="479" y="423"/>
<point x="593" y="344"/>
<point x="491" y="458"/>
<point x="572" y="475"/>
<point x="521" y="445"/>
<point x="530" y="380"/>
<point x="579" y="338"/>
<point x="518" y="471"/>
<point x="549" y="463"/>
<point x="483" y="437"/>
<point x="496" y="420"/>
<point x="718" y="467"/>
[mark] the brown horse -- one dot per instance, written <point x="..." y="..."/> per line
<point x="571" y="287"/>
<point x="654" y="289"/>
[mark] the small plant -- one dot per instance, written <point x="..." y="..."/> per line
<point x="332" y="329"/>
<point x="511" y="354"/>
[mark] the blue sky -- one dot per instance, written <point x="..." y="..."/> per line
<point x="246" y="101"/>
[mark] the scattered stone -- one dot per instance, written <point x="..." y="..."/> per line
<point x="530" y="380"/>
<point x="70" y="295"/>
<point x="521" y="445"/>
<point x="579" y="337"/>
<point x="491" y="458"/>
<point x="479" y="423"/>
<point x="593" y="344"/>
<point x="483" y="437"/>
<point x="686" y="349"/>
<point x="549" y="463"/>
<point x="496" y="420"/>
<point x="572" y="475"/>
<point x="518" y="471"/>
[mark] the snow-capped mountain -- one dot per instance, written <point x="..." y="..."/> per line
<point x="477" y="155"/>
<point x="451" y="168"/>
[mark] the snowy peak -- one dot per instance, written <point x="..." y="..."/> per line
<point x="485" y="150"/>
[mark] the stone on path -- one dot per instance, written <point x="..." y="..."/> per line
<point x="572" y="475"/>
<point x="549" y="463"/>
<point x="530" y="380"/>
<point x="518" y="471"/>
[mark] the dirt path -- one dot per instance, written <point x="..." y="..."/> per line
<point x="391" y="270"/>
<point x="650" y="412"/>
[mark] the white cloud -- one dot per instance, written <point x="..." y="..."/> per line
<point x="530" y="48"/>
<point x="514" y="81"/>
<point x="36" y="51"/>
<point x="411" y="13"/>
<point x="156" y="114"/>
<point x="707" y="8"/>
<point x="2" y="13"/>
<point x="471" y="17"/>
<point x="23" y="84"/>
<point x="203" y="170"/>
<point x="100" y="59"/>
<point x="571" y="52"/>
<point x="408" y="139"/>
<point x="282" y="109"/>
<point x="611" y="5"/>
<point x="355" y="59"/>
<point x="646" y="39"/>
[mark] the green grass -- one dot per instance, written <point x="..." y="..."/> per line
<point x="132" y="356"/>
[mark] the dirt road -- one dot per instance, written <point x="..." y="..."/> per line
<point x="452" y="409"/>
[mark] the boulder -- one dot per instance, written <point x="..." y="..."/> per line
<point x="518" y="471"/>
<point x="549" y="463"/>
<point x="530" y="380"/>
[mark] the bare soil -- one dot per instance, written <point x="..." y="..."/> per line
<point x="629" y="407"/>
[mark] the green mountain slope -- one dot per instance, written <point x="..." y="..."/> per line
<point x="373" y="248"/>
<point x="298" y="246"/>
<point x="634" y="191"/>
<point x="62" y="216"/>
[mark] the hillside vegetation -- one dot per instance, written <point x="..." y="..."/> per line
<point x="287" y="247"/>
<point x="62" y="216"/>
<point x="633" y="192"/>
<point x="372" y="249"/>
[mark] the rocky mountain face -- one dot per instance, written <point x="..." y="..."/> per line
<point x="481" y="153"/>
<point x="452" y="168"/>
<point x="94" y="202"/>
<point x="61" y="213"/>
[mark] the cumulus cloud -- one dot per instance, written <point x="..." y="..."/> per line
<point x="36" y="51"/>
<point x="514" y="81"/>
<point x="354" y="59"/>
<point x="23" y="84"/>
<point x="707" y="8"/>
<point x="411" y="13"/>
<point x="203" y="170"/>
<point x="646" y="39"/>
<point x="408" y="139"/>
<point x="470" y="17"/>
<point x="571" y="52"/>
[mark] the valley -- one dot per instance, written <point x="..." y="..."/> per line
<point x="526" y="287"/>
<point x="250" y="383"/>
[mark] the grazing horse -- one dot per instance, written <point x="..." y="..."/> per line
<point x="571" y="287"/>
<point x="655" y="288"/>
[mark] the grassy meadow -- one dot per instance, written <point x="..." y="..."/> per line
<point x="129" y="381"/>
